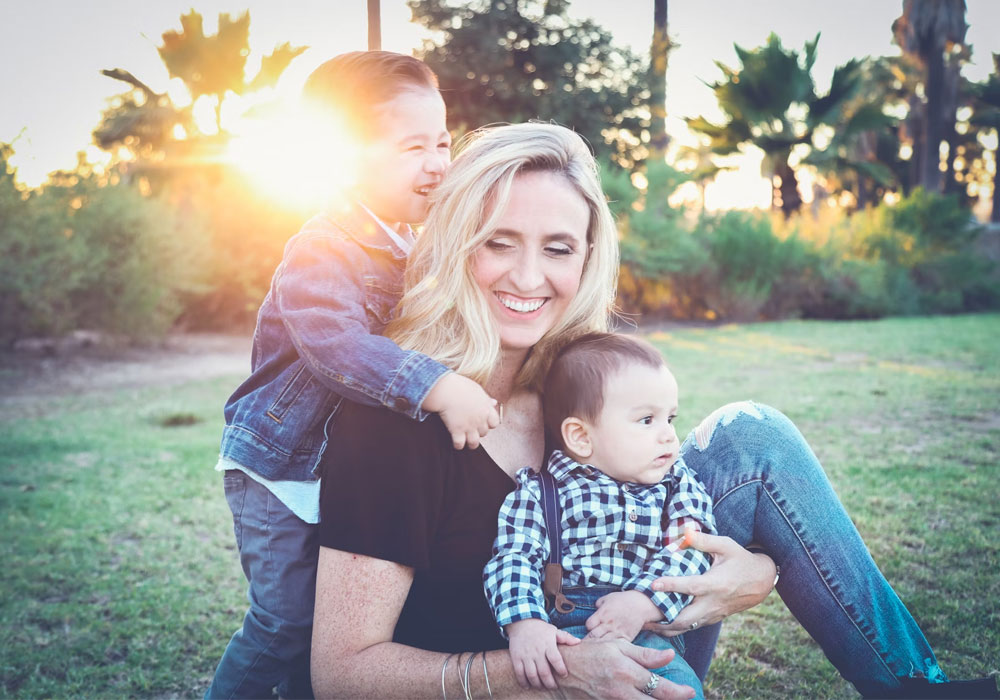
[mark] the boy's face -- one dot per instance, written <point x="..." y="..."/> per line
<point x="406" y="158"/>
<point x="634" y="438"/>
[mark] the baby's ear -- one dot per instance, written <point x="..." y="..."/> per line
<point x="576" y="438"/>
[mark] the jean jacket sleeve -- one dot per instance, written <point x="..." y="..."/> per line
<point x="321" y="295"/>
<point x="689" y="504"/>
<point x="512" y="577"/>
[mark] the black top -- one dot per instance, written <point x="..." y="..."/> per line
<point x="395" y="489"/>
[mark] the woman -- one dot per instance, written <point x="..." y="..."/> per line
<point x="518" y="256"/>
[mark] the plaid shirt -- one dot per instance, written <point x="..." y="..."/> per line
<point x="613" y="534"/>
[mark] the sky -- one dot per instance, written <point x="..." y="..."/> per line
<point x="53" y="51"/>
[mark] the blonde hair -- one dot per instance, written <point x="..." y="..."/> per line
<point x="443" y="313"/>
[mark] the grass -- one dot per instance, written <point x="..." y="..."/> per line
<point x="120" y="575"/>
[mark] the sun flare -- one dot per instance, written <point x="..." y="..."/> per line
<point x="295" y="157"/>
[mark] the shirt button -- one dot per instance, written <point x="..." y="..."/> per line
<point x="633" y="516"/>
<point x="621" y="546"/>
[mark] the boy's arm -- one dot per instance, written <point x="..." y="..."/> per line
<point x="512" y="577"/>
<point x="689" y="506"/>
<point x="320" y="293"/>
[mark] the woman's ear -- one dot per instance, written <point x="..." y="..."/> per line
<point x="576" y="438"/>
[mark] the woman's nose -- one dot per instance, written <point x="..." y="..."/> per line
<point x="527" y="274"/>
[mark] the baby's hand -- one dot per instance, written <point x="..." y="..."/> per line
<point x="467" y="410"/>
<point x="621" y="615"/>
<point x="534" y="654"/>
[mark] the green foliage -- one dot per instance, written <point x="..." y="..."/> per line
<point x="82" y="254"/>
<point x="517" y="60"/>
<point x="916" y="257"/>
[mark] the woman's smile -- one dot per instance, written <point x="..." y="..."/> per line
<point x="532" y="263"/>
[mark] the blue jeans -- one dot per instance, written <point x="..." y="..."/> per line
<point x="585" y="599"/>
<point x="278" y="552"/>
<point x="769" y="488"/>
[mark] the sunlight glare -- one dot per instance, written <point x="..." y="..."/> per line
<point x="298" y="158"/>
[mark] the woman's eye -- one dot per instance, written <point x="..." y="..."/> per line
<point x="498" y="245"/>
<point x="558" y="250"/>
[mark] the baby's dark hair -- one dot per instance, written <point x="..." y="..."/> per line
<point x="355" y="84"/>
<point x="578" y="376"/>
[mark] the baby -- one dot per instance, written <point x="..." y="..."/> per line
<point x="626" y="499"/>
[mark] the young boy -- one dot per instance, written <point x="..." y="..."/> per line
<point x="317" y="342"/>
<point x="626" y="501"/>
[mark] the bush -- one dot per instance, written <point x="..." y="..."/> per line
<point x="82" y="253"/>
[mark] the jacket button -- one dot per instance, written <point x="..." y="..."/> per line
<point x="401" y="404"/>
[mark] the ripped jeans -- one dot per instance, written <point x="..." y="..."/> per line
<point x="769" y="488"/>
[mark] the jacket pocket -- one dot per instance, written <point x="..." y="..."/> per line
<point x="299" y="382"/>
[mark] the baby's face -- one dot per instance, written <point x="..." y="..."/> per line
<point x="634" y="438"/>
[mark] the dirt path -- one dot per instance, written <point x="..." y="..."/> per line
<point x="28" y="377"/>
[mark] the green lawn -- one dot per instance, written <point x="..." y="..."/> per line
<point x="120" y="577"/>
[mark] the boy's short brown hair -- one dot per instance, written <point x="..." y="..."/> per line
<point x="578" y="376"/>
<point x="355" y="84"/>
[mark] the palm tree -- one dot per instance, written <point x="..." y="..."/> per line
<point x="770" y="102"/>
<point x="933" y="31"/>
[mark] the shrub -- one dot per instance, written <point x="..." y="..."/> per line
<point x="82" y="253"/>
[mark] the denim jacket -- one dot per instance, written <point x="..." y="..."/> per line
<point x="317" y="342"/>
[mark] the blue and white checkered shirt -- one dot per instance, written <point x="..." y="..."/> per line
<point x="613" y="534"/>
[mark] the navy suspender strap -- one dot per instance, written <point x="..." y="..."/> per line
<point x="552" y="577"/>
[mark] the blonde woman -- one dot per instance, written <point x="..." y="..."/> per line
<point x="520" y="255"/>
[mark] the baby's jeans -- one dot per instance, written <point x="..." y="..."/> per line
<point x="677" y="671"/>
<point x="768" y="488"/>
<point x="278" y="552"/>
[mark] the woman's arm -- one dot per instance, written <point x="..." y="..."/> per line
<point x="358" y="601"/>
<point x="737" y="581"/>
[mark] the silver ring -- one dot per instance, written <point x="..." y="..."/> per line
<point x="654" y="680"/>
<point x="694" y="626"/>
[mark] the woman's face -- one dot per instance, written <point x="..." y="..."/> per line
<point x="530" y="267"/>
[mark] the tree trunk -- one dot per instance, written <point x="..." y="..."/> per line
<point x="374" y="25"/>
<point x="930" y="176"/>
<point x="658" y="55"/>
<point x="791" y="202"/>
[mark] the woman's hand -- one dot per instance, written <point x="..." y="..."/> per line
<point x="617" y="669"/>
<point x="738" y="580"/>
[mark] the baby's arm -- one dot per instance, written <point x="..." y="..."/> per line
<point x="689" y="507"/>
<point x="513" y="584"/>
<point x="534" y="652"/>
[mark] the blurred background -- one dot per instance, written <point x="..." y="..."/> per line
<point x="765" y="160"/>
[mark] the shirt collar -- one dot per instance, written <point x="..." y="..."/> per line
<point x="564" y="468"/>
<point x="403" y="240"/>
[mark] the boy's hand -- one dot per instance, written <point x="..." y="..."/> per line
<point x="534" y="652"/>
<point x="467" y="410"/>
<point x="621" y="615"/>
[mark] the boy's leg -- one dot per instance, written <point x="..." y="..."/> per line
<point x="278" y="552"/>
<point x="769" y="488"/>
